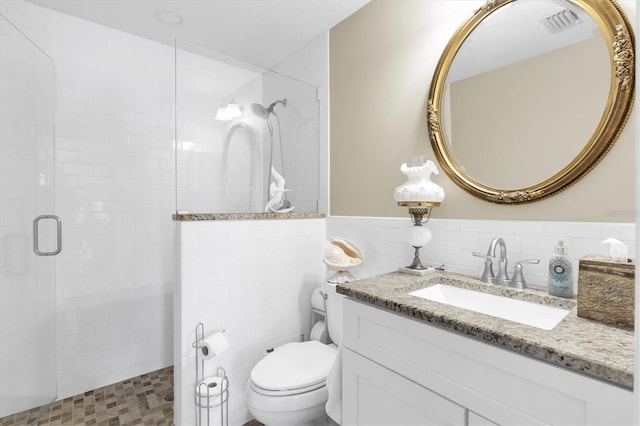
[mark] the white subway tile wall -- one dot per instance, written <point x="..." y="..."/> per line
<point x="115" y="194"/>
<point x="253" y="279"/>
<point x="454" y="240"/>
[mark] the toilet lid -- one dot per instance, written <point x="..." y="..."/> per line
<point x="294" y="366"/>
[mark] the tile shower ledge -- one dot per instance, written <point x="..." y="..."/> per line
<point x="194" y="217"/>
<point x="576" y="343"/>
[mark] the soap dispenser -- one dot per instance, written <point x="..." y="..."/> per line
<point x="560" y="273"/>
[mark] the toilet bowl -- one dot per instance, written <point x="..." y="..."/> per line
<point x="288" y="386"/>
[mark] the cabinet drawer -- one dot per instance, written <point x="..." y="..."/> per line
<point x="374" y="395"/>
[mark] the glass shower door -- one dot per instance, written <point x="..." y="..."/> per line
<point x="27" y="267"/>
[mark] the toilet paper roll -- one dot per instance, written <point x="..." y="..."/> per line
<point x="317" y="301"/>
<point x="318" y="332"/>
<point x="215" y="344"/>
<point x="208" y="392"/>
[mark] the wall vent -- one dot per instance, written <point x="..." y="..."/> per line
<point x="561" y="21"/>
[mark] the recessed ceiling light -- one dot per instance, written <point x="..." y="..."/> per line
<point x="168" y="17"/>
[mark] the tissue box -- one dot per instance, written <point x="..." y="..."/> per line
<point x="606" y="291"/>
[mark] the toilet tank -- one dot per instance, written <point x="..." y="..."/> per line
<point x="334" y="312"/>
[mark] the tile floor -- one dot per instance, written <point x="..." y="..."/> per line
<point x="136" y="401"/>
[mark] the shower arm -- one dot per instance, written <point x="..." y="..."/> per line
<point x="271" y="107"/>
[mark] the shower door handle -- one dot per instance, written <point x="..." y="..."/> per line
<point x="36" y="248"/>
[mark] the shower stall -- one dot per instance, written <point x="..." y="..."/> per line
<point x="126" y="153"/>
<point x="101" y="311"/>
<point x="27" y="244"/>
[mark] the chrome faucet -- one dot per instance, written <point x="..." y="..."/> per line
<point x="502" y="278"/>
<point x="488" y="276"/>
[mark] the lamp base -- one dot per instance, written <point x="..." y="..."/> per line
<point x="420" y="272"/>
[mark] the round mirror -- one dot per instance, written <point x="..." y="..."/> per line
<point x="529" y="95"/>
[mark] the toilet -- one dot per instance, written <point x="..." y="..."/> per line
<point x="288" y="386"/>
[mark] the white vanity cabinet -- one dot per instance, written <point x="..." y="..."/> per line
<point x="400" y="371"/>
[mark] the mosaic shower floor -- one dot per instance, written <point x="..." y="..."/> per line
<point x="135" y="401"/>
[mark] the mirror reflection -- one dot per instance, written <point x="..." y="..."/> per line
<point x="528" y="96"/>
<point x="525" y="92"/>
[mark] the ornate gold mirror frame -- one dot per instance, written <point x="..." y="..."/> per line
<point x="619" y="36"/>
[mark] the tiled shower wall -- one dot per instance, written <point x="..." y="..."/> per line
<point x="252" y="278"/>
<point x="114" y="173"/>
<point x="454" y="241"/>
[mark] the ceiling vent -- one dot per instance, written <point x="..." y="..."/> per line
<point x="561" y="21"/>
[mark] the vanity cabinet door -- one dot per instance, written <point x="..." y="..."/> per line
<point x="374" y="395"/>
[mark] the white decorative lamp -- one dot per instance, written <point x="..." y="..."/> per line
<point x="420" y="195"/>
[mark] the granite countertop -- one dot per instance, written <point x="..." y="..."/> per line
<point x="193" y="217"/>
<point x="586" y="346"/>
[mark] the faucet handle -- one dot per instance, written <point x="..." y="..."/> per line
<point x="488" y="276"/>
<point x="517" y="280"/>
<point x="485" y="256"/>
<point x="534" y="261"/>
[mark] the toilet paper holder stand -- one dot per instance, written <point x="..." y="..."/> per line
<point x="198" y="392"/>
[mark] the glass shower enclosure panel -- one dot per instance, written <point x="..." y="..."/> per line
<point x="27" y="280"/>
<point x="242" y="132"/>
<point x="296" y="140"/>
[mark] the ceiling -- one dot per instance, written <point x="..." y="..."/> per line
<point x="258" y="32"/>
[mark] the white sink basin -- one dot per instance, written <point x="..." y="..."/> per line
<point x="541" y="316"/>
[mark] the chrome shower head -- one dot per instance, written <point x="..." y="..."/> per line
<point x="260" y="111"/>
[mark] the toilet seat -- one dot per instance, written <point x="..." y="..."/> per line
<point x="293" y="368"/>
<point x="288" y="392"/>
